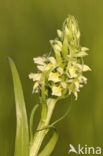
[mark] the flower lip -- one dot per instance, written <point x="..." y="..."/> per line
<point x="54" y="77"/>
<point x="56" y="91"/>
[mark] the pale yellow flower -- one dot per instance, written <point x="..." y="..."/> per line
<point x="35" y="77"/>
<point x="72" y="72"/>
<point x="60" y="70"/>
<point x="52" y="60"/>
<point x="35" y="87"/>
<point x="39" y="60"/>
<point x="54" y="77"/>
<point x="60" y="33"/>
<point x="57" y="91"/>
<point x="86" y="68"/>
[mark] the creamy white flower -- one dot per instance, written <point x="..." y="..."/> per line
<point x="46" y="67"/>
<point x="68" y="32"/>
<point x="35" y="87"/>
<point x="82" y="79"/>
<point x="35" y="77"/>
<point x="80" y="54"/>
<point x="84" y="49"/>
<point x="54" y="77"/>
<point x="78" y="34"/>
<point x="77" y="84"/>
<point x="73" y="27"/>
<point x="60" y="70"/>
<point x="39" y="60"/>
<point x="51" y="42"/>
<point x="59" y="43"/>
<point x="83" y="68"/>
<point x="70" y="81"/>
<point x="76" y="95"/>
<point x="52" y="60"/>
<point x="60" y="33"/>
<point x="57" y="48"/>
<point x="41" y="68"/>
<point x="57" y="91"/>
<point x="80" y="85"/>
<point x="72" y="72"/>
<point x="86" y="68"/>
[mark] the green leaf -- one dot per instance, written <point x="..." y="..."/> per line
<point x="22" y="134"/>
<point x="48" y="149"/>
<point x="31" y="121"/>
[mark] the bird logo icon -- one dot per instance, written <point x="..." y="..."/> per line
<point x="72" y="149"/>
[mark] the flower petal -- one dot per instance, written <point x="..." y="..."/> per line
<point x="54" y="77"/>
<point x="86" y="68"/>
<point x="82" y="79"/>
<point x="84" y="49"/>
<point x="41" y="68"/>
<point x="35" y="87"/>
<point x="52" y="60"/>
<point x="56" y="91"/>
<point x="39" y="60"/>
<point x="76" y="95"/>
<point x="60" y="70"/>
<point x="72" y="72"/>
<point x="48" y="67"/>
<point x="59" y="33"/>
<point x="80" y="54"/>
<point x="35" y="77"/>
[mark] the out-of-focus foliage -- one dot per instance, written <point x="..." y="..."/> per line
<point x="25" y="30"/>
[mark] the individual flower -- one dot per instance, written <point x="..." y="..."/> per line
<point x="54" y="77"/>
<point x="57" y="91"/>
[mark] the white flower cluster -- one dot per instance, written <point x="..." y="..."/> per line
<point x="61" y="73"/>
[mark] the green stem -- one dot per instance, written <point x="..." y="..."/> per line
<point x="39" y="136"/>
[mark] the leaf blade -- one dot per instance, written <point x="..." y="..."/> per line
<point x="31" y="121"/>
<point x="48" y="149"/>
<point x="22" y="134"/>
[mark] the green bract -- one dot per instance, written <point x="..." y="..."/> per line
<point x="62" y="71"/>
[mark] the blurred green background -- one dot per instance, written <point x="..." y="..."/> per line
<point x="25" y="30"/>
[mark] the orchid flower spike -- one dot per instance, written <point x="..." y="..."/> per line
<point x="61" y="72"/>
